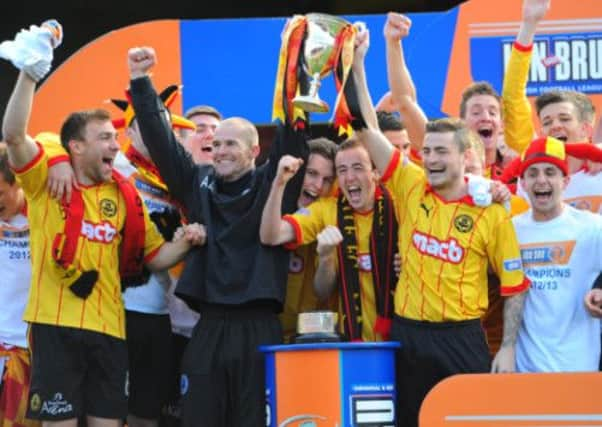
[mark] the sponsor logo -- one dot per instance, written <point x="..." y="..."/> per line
<point x="513" y="264"/>
<point x="586" y="203"/>
<point x="35" y="403"/>
<point x="108" y="208"/>
<point x="448" y="250"/>
<point x="562" y="59"/>
<point x="463" y="223"/>
<point x="547" y="253"/>
<point x="56" y="406"/>
<point x="102" y="233"/>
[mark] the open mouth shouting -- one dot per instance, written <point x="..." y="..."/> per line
<point x="354" y="193"/>
<point x="108" y="161"/>
<point x="307" y="196"/>
<point x="487" y="134"/>
<point x="542" y="196"/>
<point x="435" y="172"/>
<point x="561" y="137"/>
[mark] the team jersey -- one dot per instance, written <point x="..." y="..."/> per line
<point x="15" y="265"/>
<point x="562" y="257"/>
<point x="50" y="299"/>
<point x="446" y="248"/>
<point x="309" y="221"/>
<point x="300" y="295"/>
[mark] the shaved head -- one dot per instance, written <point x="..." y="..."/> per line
<point x="247" y="130"/>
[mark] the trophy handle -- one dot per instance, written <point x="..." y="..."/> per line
<point x="312" y="102"/>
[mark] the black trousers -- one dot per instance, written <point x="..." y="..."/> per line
<point x="223" y="371"/>
<point x="430" y="352"/>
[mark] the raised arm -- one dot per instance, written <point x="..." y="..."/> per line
<point x="21" y="147"/>
<point x="31" y="52"/>
<point x="274" y="230"/>
<point x="175" y="164"/>
<point x="518" y="123"/>
<point x="401" y="84"/>
<point x="378" y="146"/>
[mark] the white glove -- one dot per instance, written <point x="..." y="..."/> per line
<point x="479" y="189"/>
<point x="32" y="50"/>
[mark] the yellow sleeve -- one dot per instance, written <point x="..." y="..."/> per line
<point x="402" y="176"/>
<point x="518" y="122"/>
<point x="33" y="176"/>
<point x="153" y="240"/>
<point x="503" y="252"/>
<point x="309" y="221"/>
<point x="55" y="152"/>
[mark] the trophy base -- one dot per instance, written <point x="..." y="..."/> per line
<point x="311" y="104"/>
<point x="317" y="337"/>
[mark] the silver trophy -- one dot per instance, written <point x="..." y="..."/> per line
<point x="319" y="57"/>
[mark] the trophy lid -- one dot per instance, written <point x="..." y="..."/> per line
<point x="324" y="17"/>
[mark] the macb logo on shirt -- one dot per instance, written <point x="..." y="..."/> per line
<point x="448" y="250"/>
<point x="101" y="233"/>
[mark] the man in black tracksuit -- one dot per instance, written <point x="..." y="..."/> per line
<point x="236" y="283"/>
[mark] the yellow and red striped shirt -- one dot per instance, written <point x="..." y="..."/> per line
<point x="300" y="295"/>
<point x="446" y="248"/>
<point x="309" y="221"/>
<point x="50" y="299"/>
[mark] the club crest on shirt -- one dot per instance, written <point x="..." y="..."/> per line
<point x="295" y="264"/>
<point x="108" y="208"/>
<point x="463" y="223"/>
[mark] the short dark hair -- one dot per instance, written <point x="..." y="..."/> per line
<point x="75" y="125"/>
<point x="388" y="121"/>
<point x="323" y="147"/>
<point x="477" y="88"/>
<point x="456" y="126"/>
<point x="203" y="109"/>
<point x="586" y="111"/>
<point x="5" y="169"/>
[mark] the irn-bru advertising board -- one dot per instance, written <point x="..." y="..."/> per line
<point x="231" y="63"/>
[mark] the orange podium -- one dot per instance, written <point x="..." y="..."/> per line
<point x="331" y="384"/>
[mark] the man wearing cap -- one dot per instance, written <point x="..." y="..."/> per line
<point x="198" y="142"/>
<point x="561" y="254"/>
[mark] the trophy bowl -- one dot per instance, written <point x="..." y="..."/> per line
<point x="319" y="57"/>
<point x="316" y="326"/>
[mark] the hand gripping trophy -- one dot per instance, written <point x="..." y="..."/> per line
<point x="313" y="46"/>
